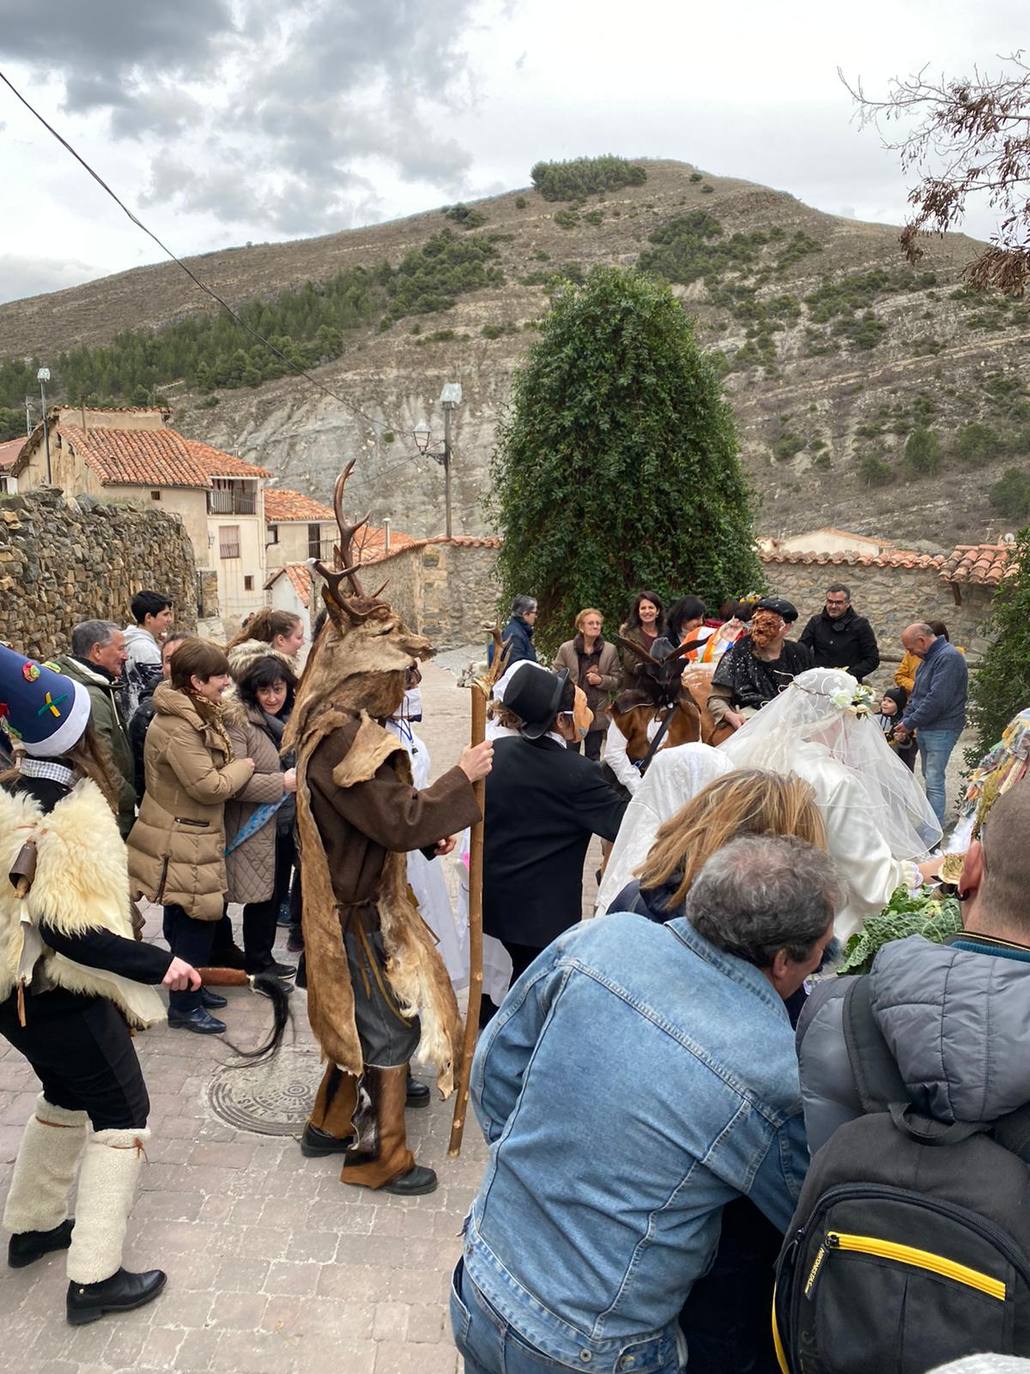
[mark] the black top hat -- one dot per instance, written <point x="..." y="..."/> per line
<point x="780" y="605"/>
<point x="534" y="697"/>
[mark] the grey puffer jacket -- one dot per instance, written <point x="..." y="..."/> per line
<point x="956" y="1020"/>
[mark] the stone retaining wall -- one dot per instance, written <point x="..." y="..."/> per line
<point x="446" y="591"/>
<point x="63" y="562"/>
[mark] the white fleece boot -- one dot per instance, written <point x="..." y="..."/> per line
<point x="107" y="1189"/>
<point x="36" y="1211"/>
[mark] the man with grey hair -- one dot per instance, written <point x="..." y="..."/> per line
<point x="637" y="1078"/>
<point x="936" y="710"/>
<point x="97" y="660"/>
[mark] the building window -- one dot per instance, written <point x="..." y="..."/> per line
<point x="314" y="541"/>
<point x="273" y="534"/>
<point x="155" y="496"/>
<point x="228" y="541"/>
<point x="248" y="584"/>
<point x="230" y="496"/>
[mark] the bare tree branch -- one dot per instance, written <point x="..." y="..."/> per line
<point x="961" y="138"/>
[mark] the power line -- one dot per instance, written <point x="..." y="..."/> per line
<point x="295" y="367"/>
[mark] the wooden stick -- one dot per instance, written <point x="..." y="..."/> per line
<point x="478" y="734"/>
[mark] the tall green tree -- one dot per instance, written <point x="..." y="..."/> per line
<point x="617" y="464"/>
<point x="1000" y="686"/>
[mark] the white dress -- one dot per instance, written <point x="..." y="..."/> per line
<point x="427" y="876"/>
<point x="674" y="776"/>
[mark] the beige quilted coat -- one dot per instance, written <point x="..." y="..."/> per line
<point x="250" y="868"/>
<point x="177" y="846"/>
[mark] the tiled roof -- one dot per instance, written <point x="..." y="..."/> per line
<point x="218" y="464"/>
<point x="282" y="505"/>
<point x="986" y="564"/>
<point x="892" y="558"/>
<point x="371" y="543"/>
<point x="137" y="457"/>
<point x="9" y="450"/>
<point x="300" y="579"/>
<point x="399" y="542"/>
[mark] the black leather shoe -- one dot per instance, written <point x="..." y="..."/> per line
<point x="88" y="1302"/>
<point x="198" y="1020"/>
<point x="212" y="1000"/>
<point x="418" y="1094"/>
<point x="414" y="1183"/>
<point x="315" y="1143"/>
<point x="25" y="1247"/>
<point x="263" y="991"/>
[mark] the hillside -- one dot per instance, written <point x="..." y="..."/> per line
<point x="835" y="352"/>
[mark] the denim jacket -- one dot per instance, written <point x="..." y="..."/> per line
<point x="635" y="1080"/>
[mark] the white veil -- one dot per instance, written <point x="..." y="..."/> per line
<point x="674" y="776"/>
<point x="806" y="720"/>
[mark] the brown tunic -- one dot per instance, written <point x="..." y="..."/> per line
<point x="359" y="825"/>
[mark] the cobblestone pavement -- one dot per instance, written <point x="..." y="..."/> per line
<point x="273" y="1264"/>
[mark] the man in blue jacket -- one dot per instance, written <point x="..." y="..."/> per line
<point x="936" y="710"/>
<point x="625" y="1102"/>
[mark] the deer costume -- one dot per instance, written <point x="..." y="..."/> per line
<point x="377" y="988"/>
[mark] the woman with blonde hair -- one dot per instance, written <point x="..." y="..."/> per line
<point x="593" y="664"/>
<point x="747" y="801"/>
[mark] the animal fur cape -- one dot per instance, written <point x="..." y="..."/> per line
<point x="81" y="884"/>
<point x="415" y="971"/>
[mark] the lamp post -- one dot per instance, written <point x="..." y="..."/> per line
<point x="450" y="399"/>
<point x="42" y="377"/>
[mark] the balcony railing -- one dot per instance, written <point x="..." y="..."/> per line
<point x="222" y="501"/>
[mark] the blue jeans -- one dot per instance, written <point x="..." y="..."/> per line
<point x="490" y="1345"/>
<point x="935" y="747"/>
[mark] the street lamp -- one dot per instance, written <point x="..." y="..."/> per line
<point x="450" y="399"/>
<point x="42" y="377"/>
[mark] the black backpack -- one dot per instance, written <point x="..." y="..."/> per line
<point x="910" y="1245"/>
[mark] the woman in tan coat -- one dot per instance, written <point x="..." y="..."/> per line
<point x="592" y="664"/>
<point x="177" y="846"/>
<point x="259" y="820"/>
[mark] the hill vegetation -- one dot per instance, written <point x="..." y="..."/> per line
<point x="868" y="393"/>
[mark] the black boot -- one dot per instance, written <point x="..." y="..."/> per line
<point x="26" y="1247"/>
<point x="315" y="1143"/>
<point x="418" y="1094"/>
<point x="88" y="1302"/>
<point x="212" y="1001"/>
<point x="414" y="1183"/>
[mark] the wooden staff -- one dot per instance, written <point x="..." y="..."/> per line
<point x="481" y="688"/>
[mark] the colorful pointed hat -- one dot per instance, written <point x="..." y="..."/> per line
<point x="42" y="711"/>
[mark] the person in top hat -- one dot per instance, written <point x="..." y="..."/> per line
<point x="543" y="803"/>
<point x="72" y="982"/>
<point x="760" y="664"/>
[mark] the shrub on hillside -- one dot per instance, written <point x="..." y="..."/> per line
<point x="1010" y="495"/>
<point x="583" y="176"/>
<point x="464" y="216"/>
<point x="976" y="441"/>
<point x="922" y="452"/>
<point x="874" y="471"/>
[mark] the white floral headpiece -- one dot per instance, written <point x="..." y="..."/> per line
<point x="858" y="703"/>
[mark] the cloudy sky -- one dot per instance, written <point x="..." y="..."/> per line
<point x="223" y="121"/>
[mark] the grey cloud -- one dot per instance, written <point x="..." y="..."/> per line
<point x="22" y="276"/>
<point x="110" y="38"/>
<point x="303" y="96"/>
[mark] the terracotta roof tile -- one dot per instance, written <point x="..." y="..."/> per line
<point x="299" y="575"/>
<point x="892" y="558"/>
<point x="9" y="450"/>
<point x="218" y="464"/>
<point x="282" y="505"/>
<point x="984" y="564"/>
<point x="137" y="457"/>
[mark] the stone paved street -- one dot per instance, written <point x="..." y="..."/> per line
<point x="273" y="1264"/>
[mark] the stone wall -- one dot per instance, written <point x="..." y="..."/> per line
<point x="84" y="559"/>
<point x="890" y="598"/>
<point x="444" y="589"/>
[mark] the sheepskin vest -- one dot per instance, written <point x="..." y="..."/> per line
<point x="81" y="884"/>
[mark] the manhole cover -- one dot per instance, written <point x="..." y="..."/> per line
<point x="269" y="1099"/>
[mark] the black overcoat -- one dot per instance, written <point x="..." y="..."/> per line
<point x="543" y="803"/>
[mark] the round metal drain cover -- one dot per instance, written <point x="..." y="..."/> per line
<point x="269" y="1099"/>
